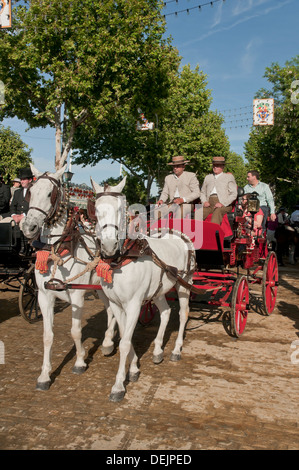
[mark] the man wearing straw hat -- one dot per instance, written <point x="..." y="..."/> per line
<point x="218" y="192"/>
<point x="181" y="187"/>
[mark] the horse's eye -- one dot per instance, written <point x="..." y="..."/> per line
<point x="49" y="193"/>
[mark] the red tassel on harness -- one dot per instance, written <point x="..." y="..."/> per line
<point x="41" y="263"/>
<point x="42" y="258"/>
<point x="104" y="270"/>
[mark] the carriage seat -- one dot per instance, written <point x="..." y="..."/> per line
<point x="8" y="237"/>
<point x="203" y="234"/>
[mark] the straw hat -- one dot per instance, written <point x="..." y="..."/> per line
<point x="179" y="160"/>
<point x="219" y="160"/>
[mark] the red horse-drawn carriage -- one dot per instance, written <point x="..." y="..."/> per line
<point x="229" y="259"/>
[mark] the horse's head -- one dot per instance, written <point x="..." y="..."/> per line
<point x="110" y="211"/>
<point x="42" y="197"/>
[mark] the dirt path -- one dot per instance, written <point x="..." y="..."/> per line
<point x="223" y="394"/>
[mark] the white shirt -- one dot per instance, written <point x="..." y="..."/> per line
<point x="295" y="216"/>
<point x="177" y="194"/>
<point x="214" y="191"/>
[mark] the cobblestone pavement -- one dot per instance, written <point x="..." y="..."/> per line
<point x="223" y="394"/>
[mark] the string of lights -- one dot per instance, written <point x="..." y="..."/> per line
<point x="237" y="127"/>
<point x="235" y="109"/>
<point x="227" y="116"/>
<point x="239" y="120"/>
<point x="187" y="10"/>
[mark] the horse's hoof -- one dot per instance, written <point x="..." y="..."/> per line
<point x="134" y="377"/>
<point x="79" y="370"/>
<point x="107" y="350"/>
<point x="43" y="386"/>
<point x="117" y="396"/>
<point x="175" y="357"/>
<point x="158" y="359"/>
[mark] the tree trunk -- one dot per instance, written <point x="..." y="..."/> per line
<point x="58" y="137"/>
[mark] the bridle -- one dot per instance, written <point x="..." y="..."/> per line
<point x="113" y="194"/>
<point x="58" y="199"/>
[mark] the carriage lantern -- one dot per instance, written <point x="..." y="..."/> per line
<point x="67" y="176"/>
<point x="253" y="203"/>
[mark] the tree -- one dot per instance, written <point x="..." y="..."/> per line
<point x="184" y="125"/>
<point x="65" y="63"/>
<point x="14" y="154"/>
<point x="236" y="166"/>
<point x="274" y="150"/>
<point x="189" y="127"/>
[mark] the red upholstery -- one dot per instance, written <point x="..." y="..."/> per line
<point x="225" y="225"/>
<point x="202" y="234"/>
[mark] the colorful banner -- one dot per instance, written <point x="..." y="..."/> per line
<point x="263" y="112"/>
<point x="5" y="13"/>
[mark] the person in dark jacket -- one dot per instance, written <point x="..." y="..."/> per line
<point x="4" y="198"/>
<point x="19" y="206"/>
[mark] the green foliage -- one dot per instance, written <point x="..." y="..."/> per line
<point x="14" y="154"/>
<point x="189" y="127"/>
<point x="134" y="189"/>
<point x="274" y="150"/>
<point x="68" y="62"/>
<point x="235" y="165"/>
<point x="184" y="126"/>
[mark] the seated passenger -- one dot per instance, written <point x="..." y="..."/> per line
<point x="19" y="206"/>
<point x="4" y="198"/>
<point x="218" y="192"/>
<point x="181" y="188"/>
<point x="294" y="219"/>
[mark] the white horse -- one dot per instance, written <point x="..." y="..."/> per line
<point x="48" y="216"/>
<point x="141" y="280"/>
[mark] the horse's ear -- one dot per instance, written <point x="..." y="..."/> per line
<point x="120" y="186"/>
<point x="60" y="172"/>
<point x="97" y="188"/>
<point x="35" y="172"/>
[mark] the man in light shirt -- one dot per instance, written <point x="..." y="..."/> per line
<point x="180" y="188"/>
<point x="265" y="195"/>
<point x="295" y="216"/>
<point x="218" y="192"/>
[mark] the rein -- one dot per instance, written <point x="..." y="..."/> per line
<point x="70" y="236"/>
<point x="145" y="249"/>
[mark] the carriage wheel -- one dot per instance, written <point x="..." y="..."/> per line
<point x="147" y="313"/>
<point x="270" y="283"/>
<point x="239" y="306"/>
<point x="28" y="304"/>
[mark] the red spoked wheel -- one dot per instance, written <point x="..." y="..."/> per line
<point x="270" y="283"/>
<point x="147" y="313"/>
<point x="239" y="306"/>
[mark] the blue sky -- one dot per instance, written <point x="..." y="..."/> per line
<point x="232" y="41"/>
